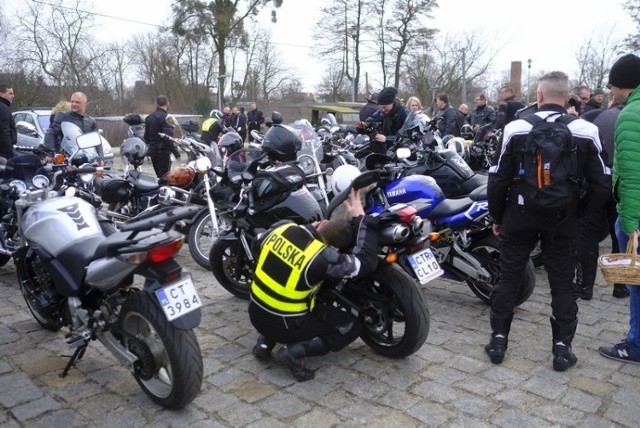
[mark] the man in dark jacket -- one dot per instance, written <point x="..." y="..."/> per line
<point x="241" y="124"/>
<point x="367" y="110"/>
<point x="159" y="149"/>
<point x="77" y="116"/>
<point x="447" y="117"/>
<point x="255" y="119"/>
<point x="520" y="223"/>
<point x="8" y="134"/>
<point x="482" y="115"/>
<point x="508" y="107"/>
<point x="391" y="114"/>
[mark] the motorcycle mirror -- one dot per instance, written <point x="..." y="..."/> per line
<point x="328" y="171"/>
<point x="365" y="179"/>
<point x="88" y="140"/>
<point x="403" y="153"/>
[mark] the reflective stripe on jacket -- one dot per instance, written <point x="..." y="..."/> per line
<point x="280" y="284"/>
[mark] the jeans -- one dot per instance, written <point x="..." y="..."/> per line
<point x="633" y="337"/>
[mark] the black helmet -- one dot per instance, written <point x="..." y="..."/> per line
<point x="84" y="156"/>
<point x="281" y="143"/>
<point x="231" y="142"/>
<point x="134" y="150"/>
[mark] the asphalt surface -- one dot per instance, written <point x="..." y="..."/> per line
<point x="448" y="382"/>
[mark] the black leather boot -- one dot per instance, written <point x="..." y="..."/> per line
<point x="499" y="337"/>
<point x="582" y="288"/>
<point x="563" y="334"/>
<point x="294" y="353"/>
<point x="263" y="348"/>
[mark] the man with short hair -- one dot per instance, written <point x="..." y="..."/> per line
<point x="160" y="150"/>
<point x="521" y="218"/>
<point x="508" y="107"/>
<point x="77" y="115"/>
<point x="8" y="133"/>
<point x="483" y="113"/>
<point x="255" y="119"/>
<point x="447" y="116"/>
<point x="584" y="95"/>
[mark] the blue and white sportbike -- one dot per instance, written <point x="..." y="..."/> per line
<point x="462" y="242"/>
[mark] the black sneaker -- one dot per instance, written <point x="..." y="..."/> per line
<point x="563" y="357"/>
<point x="620" y="291"/>
<point x="619" y="352"/>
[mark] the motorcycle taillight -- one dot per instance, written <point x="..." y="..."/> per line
<point x="165" y="251"/>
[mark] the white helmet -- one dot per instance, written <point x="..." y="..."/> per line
<point x="342" y="178"/>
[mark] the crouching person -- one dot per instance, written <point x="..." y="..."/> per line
<point x="293" y="262"/>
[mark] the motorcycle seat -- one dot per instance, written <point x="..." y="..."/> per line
<point x="449" y="207"/>
<point x="142" y="182"/>
<point x="479" y="194"/>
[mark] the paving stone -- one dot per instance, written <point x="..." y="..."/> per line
<point x="34" y="408"/>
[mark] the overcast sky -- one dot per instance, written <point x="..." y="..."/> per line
<point x="549" y="32"/>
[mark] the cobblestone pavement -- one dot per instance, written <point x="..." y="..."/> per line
<point x="448" y="382"/>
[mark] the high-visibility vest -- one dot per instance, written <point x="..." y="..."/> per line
<point x="279" y="284"/>
<point x="206" y="125"/>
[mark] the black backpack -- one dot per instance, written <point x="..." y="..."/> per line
<point x="547" y="174"/>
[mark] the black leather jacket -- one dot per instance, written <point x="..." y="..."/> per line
<point x="8" y="135"/>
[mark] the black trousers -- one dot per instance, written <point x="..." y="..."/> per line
<point x="161" y="160"/>
<point x="519" y="233"/>
<point x="337" y="328"/>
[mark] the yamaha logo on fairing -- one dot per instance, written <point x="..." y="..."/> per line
<point x="74" y="214"/>
<point x="394" y="193"/>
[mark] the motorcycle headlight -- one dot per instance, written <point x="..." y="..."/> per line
<point x="306" y="164"/>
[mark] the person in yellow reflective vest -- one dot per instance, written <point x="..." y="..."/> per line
<point x="293" y="262"/>
<point x="212" y="127"/>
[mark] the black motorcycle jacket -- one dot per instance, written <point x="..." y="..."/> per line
<point x="483" y="115"/>
<point x="392" y="122"/>
<point x="448" y="121"/>
<point x="154" y="124"/>
<point x="86" y="123"/>
<point x="507" y="111"/>
<point x="500" y="189"/>
<point x="8" y="134"/>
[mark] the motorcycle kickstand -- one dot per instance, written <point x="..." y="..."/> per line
<point x="77" y="355"/>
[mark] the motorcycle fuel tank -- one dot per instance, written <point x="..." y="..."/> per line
<point x="421" y="191"/>
<point x="58" y="223"/>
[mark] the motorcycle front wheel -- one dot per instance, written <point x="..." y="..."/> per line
<point x="487" y="252"/>
<point x="169" y="367"/>
<point x="394" y="314"/>
<point x="202" y="237"/>
<point x="231" y="267"/>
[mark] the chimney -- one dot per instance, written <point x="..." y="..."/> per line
<point x="516" y="78"/>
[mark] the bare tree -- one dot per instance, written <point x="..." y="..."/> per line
<point x="632" y="41"/>
<point x="221" y="21"/>
<point x="334" y="86"/>
<point x="595" y="56"/>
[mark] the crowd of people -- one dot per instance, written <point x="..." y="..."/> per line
<point x="590" y="203"/>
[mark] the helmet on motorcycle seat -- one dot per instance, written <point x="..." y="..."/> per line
<point x="342" y="178"/>
<point x="230" y="142"/>
<point x="459" y="145"/>
<point x="134" y="150"/>
<point x="466" y="132"/>
<point x="281" y="143"/>
<point x="84" y="156"/>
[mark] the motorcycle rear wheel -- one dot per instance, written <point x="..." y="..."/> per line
<point x="231" y="268"/>
<point x="169" y="369"/>
<point x="394" y="314"/>
<point x="487" y="252"/>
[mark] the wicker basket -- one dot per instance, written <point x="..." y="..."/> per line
<point x="622" y="268"/>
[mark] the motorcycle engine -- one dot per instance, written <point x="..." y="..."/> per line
<point x="41" y="290"/>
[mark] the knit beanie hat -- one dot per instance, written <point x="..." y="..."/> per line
<point x="625" y="73"/>
<point x="387" y="95"/>
<point x="598" y="91"/>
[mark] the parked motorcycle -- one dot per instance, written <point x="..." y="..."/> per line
<point x="74" y="277"/>
<point x="461" y="235"/>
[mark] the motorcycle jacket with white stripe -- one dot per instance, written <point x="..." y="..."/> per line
<point x="293" y="261"/>
<point x="500" y="190"/>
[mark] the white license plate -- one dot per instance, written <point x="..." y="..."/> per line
<point x="425" y="265"/>
<point x="178" y="298"/>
